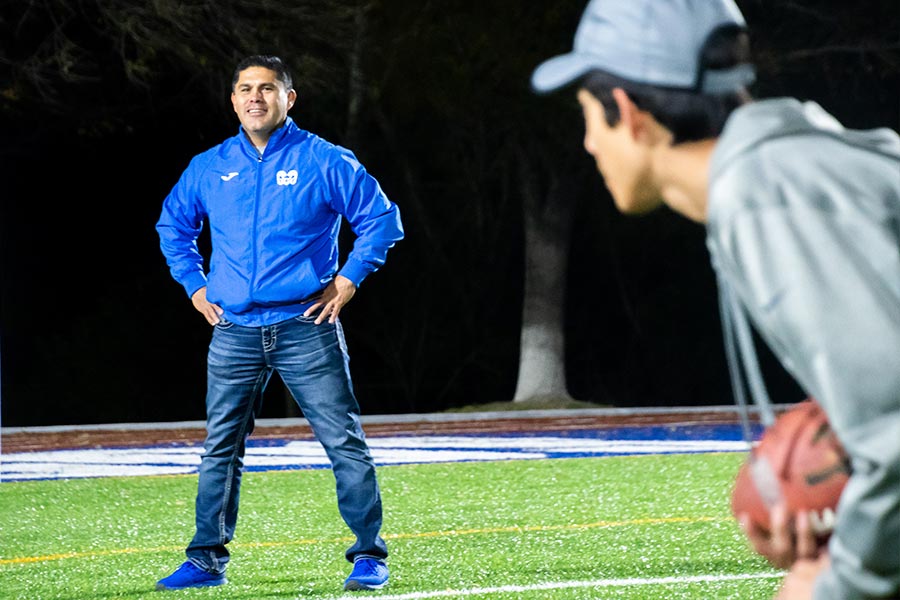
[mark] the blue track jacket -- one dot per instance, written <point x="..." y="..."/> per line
<point x="273" y="223"/>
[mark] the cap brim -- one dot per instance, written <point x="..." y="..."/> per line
<point x="558" y="71"/>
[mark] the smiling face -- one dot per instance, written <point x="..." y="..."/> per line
<point x="621" y="157"/>
<point x="261" y="102"/>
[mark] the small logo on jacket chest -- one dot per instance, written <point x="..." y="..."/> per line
<point x="286" y="177"/>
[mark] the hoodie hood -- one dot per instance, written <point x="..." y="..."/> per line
<point x="782" y="117"/>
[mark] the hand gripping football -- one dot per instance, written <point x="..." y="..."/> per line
<point x="800" y="460"/>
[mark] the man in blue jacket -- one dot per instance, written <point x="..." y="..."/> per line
<point x="273" y="197"/>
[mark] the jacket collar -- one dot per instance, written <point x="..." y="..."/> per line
<point x="276" y="140"/>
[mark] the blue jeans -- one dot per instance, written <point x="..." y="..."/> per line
<point x="312" y="361"/>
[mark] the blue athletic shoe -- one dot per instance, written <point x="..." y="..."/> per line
<point x="367" y="574"/>
<point x="189" y="575"/>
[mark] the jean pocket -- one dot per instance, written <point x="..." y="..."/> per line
<point x="305" y="319"/>
<point x="224" y="323"/>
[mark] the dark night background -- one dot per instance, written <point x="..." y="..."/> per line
<point x="102" y="105"/>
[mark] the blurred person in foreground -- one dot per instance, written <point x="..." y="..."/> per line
<point x="273" y="197"/>
<point x="803" y="227"/>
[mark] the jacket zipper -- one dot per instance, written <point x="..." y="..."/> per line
<point x="254" y="235"/>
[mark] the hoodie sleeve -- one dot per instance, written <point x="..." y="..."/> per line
<point x="179" y="226"/>
<point x="374" y="219"/>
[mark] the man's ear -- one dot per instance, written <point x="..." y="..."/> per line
<point x="630" y="115"/>
<point x="291" y="98"/>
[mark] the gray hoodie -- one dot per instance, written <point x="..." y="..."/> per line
<point x="804" y="230"/>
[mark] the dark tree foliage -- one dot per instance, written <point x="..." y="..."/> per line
<point x="102" y="104"/>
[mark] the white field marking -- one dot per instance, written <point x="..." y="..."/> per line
<point x="560" y="585"/>
<point x="552" y="443"/>
<point x="306" y="454"/>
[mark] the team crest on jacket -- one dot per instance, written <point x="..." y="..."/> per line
<point x="286" y="177"/>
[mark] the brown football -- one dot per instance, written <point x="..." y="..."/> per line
<point x="798" y="459"/>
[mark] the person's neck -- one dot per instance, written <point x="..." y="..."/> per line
<point x="261" y="140"/>
<point x="683" y="174"/>
<point x="258" y="142"/>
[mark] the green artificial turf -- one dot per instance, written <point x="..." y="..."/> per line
<point x="623" y="527"/>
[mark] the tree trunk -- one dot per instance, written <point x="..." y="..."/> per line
<point x="548" y="227"/>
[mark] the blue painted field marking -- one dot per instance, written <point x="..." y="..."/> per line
<point x="282" y="454"/>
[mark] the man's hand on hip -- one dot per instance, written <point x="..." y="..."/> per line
<point x="209" y="310"/>
<point x="335" y="295"/>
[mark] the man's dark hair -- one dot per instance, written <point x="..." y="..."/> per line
<point x="688" y="113"/>
<point x="267" y="62"/>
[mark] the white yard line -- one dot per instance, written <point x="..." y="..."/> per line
<point x="560" y="585"/>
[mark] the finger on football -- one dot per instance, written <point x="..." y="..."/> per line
<point x="807" y="542"/>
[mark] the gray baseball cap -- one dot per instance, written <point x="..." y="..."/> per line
<point x="655" y="42"/>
